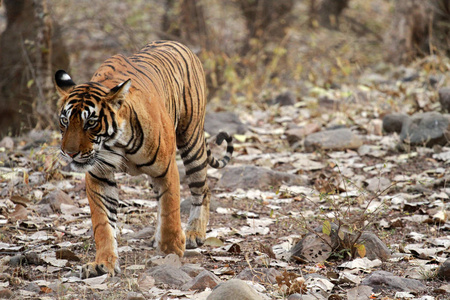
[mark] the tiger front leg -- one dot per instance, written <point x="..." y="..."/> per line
<point x="103" y="200"/>
<point x="169" y="236"/>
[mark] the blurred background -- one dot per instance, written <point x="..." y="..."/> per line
<point x="252" y="50"/>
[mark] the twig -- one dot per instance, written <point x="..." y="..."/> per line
<point x="47" y="228"/>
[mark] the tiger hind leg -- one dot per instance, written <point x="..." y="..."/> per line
<point x="195" y="161"/>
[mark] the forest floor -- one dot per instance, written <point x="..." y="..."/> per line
<point x="401" y="196"/>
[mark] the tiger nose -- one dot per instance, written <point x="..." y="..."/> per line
<point x="72" y="154"/>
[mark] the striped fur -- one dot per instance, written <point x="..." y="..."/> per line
<point x="132" y="117"/>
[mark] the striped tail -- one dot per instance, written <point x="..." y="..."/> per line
<point x="220" y="163"/>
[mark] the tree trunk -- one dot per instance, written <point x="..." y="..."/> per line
<point x="418" y="28"/>
<point x="185" y="21"/>
<point x="327" y="12"/>
<point x="266" y="20"/>
<point x="26" y="48"/>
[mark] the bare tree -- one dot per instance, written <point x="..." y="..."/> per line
<point x="266" y="20"/>
<point x="28" y="50"/>
<point x="185" y="21"/>
<point x="418" y="28"/>
<point x="327" y="12"/>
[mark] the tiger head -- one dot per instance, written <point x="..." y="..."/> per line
<point x="87" y="119"/>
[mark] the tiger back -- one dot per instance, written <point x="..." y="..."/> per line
<point x="132" y="117"/>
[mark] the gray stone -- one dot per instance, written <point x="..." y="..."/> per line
<point x="172" y="260"/>
<point x="337" y="139"/>
<point x="247" y="177"/>
<point x="394" y="122"/>
<point x="6" y="294"/>
<point x="17" y="260"/>
<point x="382" y="280"/>
<point x="32" y="287"/>
<point x="375" y="248"/>
<point x="260" y="275"/>
<point x="361" y="292"/>
<point x="234" y="289"/>
<point x="296" y="134"/>
<point x="285" y="99"/>
<point x="7" y="143"/>
<point x="185" y="205"/>
<point x="55" y="198"/>
<point x="143" y="234"/>
<point x="444" y="98"/>
<point x="444" y="270"/>
<point x="192" y="269"/>
<point x="224" y="121"/>
<point x="427" y="129"/>
<point x="204" y="280"/>
<point x="172" y="276"/>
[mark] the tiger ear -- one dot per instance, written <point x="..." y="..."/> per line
<point x="64" y="83"/>
<point x="118" y="93"/>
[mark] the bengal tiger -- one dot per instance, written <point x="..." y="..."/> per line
<point x="132" y="116"/>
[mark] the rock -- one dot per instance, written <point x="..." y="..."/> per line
<point x="375" y="248"/>
<point x="44" y="210"/>
<point x="338" y="139"/>
<point x="55" y="198"/>
<point x="285" y="99"/>
<point x="145" y="233"/>
<point x="32" y="287"/>
<point x="171" y="260"/>
<point x="297" y="134"/>
<point x="377" y="184"/>
<point x="7" y="143"/>
<point x="444" y="270"/>
<point x="444" y="98"/>
<point x="185" y="205"/>
<point x="20" y="213"/>
<point x="234" y="289"/>
<point x="66" y="254"/>
<point x="135" y="296"/>
<point x="260" y="275"/>
<point x="145" y="282"/>
<point x="362" y="292"/>
<point x="427" y="129"/>
<point x="169" y="275"/>
<point x="394" y="122"/>
<point x="6" y="294"/>
<point x="317" y="248"/>
<point x="382" y="281"/>
<point x="312" y="248"/>
<point x="192" y="269"/>
<point x="17" y="260"/>
<point x="204" y="280"/>
<point x="247" y="177"/>
<point x="224" y="121"/>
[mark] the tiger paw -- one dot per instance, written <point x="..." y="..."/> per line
<point x="97" y="269"/>
<point x="174" y="244"/>
<point x="194" y="239"/>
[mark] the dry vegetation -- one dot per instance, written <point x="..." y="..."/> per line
<point x="344" y="68"/>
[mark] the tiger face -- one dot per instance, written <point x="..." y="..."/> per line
<point x="87" y="120"/>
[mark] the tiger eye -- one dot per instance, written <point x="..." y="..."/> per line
<point x="64" y="121"/>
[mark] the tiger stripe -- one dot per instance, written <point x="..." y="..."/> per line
<point x="132" y="116"/>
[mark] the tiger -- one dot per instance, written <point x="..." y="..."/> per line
<point x="132" y="116"/>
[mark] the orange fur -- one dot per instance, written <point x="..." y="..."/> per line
<point x="131" y="117"/>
